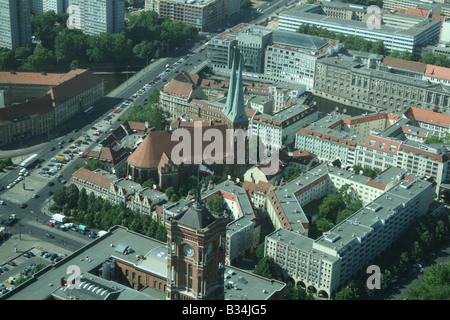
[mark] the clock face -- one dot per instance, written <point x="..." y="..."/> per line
<point x="210" y="247"/>
<point x="188" y="250"/>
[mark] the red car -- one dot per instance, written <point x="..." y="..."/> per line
<point x="49" y="224"/>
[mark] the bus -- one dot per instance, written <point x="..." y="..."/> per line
<point x="88" y="110"/>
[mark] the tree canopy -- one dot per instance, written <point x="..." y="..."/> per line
<point x="145" y="37"/>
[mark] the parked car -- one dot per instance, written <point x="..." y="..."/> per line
<point x="49" y="235"/>
<point x="53" y="256"/>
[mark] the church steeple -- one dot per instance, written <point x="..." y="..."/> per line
<point x="231" y="87"/>
<point x="237" y="114"/>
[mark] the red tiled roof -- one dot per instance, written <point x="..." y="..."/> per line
<point x="430" y="117"/>
<point x="404" y="64"/>
<point x="437" y="72"/>
<point x="418" y="12"/>
<point x="97" y="179"/>
<point x="149" y="153"/>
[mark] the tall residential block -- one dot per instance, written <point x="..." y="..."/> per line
<point x="98" y="16"/>
<point x="58" y="6"/>
<point x="15" y="23"/>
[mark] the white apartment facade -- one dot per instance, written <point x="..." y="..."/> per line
<point x="15" y="23"/>
<point x="326" y="264"/>
<point x="99" y="16"/>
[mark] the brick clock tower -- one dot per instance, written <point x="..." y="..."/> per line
<point x="196" y="255"/>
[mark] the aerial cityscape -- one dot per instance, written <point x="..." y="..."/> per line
<point x="225" y="150"/>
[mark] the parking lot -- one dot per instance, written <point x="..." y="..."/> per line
<point x="22" y="262"/>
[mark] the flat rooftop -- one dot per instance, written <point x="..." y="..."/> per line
<point x="306" y="11"/>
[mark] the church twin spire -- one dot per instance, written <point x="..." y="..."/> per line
<point x="234" y="109"/>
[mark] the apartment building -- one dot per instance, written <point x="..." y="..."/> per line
<point x="118" y="190"/>
<point x="345" y="80"/>
<point x="280" y="128"/>
<point x="58" y="6"/>
<point x="15" y="23"/>
<point x="205" y="15"/>
<point x="399" y="32"/>
<point x="269" y="55"/>
<point x="396" y="145"/>
<point x="176" y="94"/>
<point x="50" y="100"/>
<point x="326" y="264"/>
<point x="436" y="123"/>
<point x="99" y="16"/>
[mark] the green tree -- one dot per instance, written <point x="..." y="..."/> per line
<point x="330" y="206"/>
<point x="323" y="225"/>
<point x="260" y="251"/>
<point x="293" y="292"/>
<point x="72" y="194"/>
<point x="41" y="58"/>
<point x="268" y="268"/>
<point x="291" y="173"/>
<point x="45" y="27"/>
<point x="71" y="45"/>
<point x="82" y="202"/>
<point x="60" y="196"/>
<point x="245" y="4"/>
<point x="349" y="292"/>
<point x="216" y="204"/>
<point x="7" y="60"/>
<point x="434" y="285"/>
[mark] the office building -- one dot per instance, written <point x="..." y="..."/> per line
<point x="205" y="15"/>
<point x="269" y="55"/>
<point x="15" y="23"/>
<point x="398" y="32"/>
<point x="347" y="81"/>
<point x="99" y="16"/>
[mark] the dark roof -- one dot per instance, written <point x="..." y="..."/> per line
<point x="197" y="216"/>
<point x="32" y="108"/>
<point x="74" y="86"/>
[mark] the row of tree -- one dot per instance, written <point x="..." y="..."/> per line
<point x="146" y="37"/>
<point x="98" y="213"/>
<point x="352" y="42"/>
<point x="434" y="285"/>
<point x="149" y="112"/>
